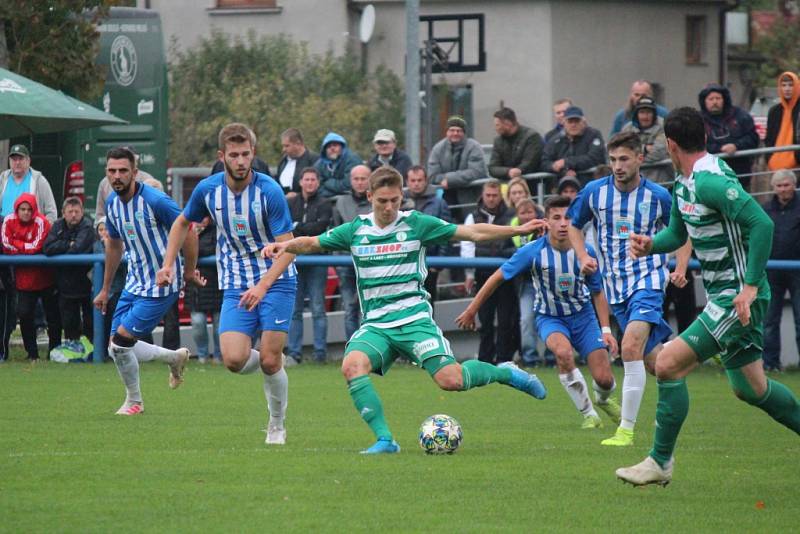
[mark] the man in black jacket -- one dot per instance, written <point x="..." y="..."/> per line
<point x="578" y="148"/>
<point x="73" y="234"/>
<point x="517" y="149"/>
<point x="296" y="157"/>
<point x="311" y="215"/>
<point x="729" y="129"/>
<point x="387" y="154"/>
<point x="503" y="302"/>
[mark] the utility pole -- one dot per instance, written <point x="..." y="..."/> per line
<point x="412" y="81"/>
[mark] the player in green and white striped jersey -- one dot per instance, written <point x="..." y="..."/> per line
<point x="732" y="238"/>
<point x="388" y="249"/>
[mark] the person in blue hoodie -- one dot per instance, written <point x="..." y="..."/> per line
<point x="334" y="164"/>
<point x="729" y="129"/>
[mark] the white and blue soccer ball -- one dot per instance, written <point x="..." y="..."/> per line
<point x="440" y="434"/>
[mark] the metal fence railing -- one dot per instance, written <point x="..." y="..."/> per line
<point x="97" y="260"/>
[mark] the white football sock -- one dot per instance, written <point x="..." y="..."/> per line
<point x="145" y="352"/>
<point x="578" y="391"/>
<point x="276" y="390"/>
<point x="601" y="395"/>
<point x="128" y="369"/>
<point x="252" y="364"/>
<point x="632" y="392"/>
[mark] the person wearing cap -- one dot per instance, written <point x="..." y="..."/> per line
<point x="22" y="178"/>
<point x="104" y="187"/>
<point x="568" y="186"/>
<point x="650" y="128"/>
<point x="296" y="157"/>
<point x="639" y="88"/>
<point x="335" y="162"/>
<point x="517" y="149"/>
<point x="388" y="155"/>
<point x="579" y="147"/>
<point x="455" y="162"/>
<point x="729" y="129"/>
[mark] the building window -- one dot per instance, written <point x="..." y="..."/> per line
<point x="246" y="4"/>
<point x="695" y="39"/>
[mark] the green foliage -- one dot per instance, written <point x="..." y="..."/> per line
<point x="272" y="83"/>
<point x="55" y="42"/>
<point x="781" y="50"/>
<point x="195" y="461"/>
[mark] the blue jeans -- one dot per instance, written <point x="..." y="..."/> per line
<point x="779" y="283"/>
<point x="347" y="288"/>
<point x="311" y="280"/>
<point x="200" y="333"/>
<point x="527" y="327"/>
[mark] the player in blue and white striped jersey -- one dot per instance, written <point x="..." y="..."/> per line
<point x="138" y="219"/>
<point x="619" y="205"/>
<point x="565" y="317"/>
<point x="249" y="212"/>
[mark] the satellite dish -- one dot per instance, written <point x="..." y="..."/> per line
<point x="367" y="24"/>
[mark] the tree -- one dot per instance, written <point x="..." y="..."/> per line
<point x="55" y="42"/>
<point x="272" y="83"/>
<point x="780" y="47"/>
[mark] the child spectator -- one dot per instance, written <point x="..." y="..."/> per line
<point x="24" y="232"/>
<point x="117" y="284"/>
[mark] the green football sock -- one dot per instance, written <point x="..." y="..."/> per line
<point x="671" y="412"/>
<point x="476" y="373"/>
<point x="781" y="404"/>
<point x="369" y="406"/>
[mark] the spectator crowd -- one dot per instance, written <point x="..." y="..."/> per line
<point x="458" y="182"/>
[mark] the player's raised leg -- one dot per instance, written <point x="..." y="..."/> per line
<point x="572" y="379"/>
<point x="633" y="384"/>
<point x="603" y="384"/>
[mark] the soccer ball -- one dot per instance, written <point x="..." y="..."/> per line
<point x="440" y="434"/>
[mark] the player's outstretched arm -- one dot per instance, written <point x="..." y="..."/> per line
<point x="489" y="232"/>
<point x="253" y="295"/>
<point x="297" y="245"/>
<point x="673" y="236"/>
<point x="114" y="249"/>
<point x="682" y="257"/>
<point x="466" y="320"/>
<point x="588" y="263"/>
<point x="191" y="250"/>
<point x="177" y="236"/>
<point x="601" y="307"/>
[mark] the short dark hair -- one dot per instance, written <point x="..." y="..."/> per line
<point x="628" y="140"/>
<point x="506" y="114"/>
<point x="556" y="202"/>
<point x="309" y="170"/>
<point x="385" y="177"/>
<point x="685" y="127"/>
<point x="491" y="183"/>
<point x="235" y="132"/>
<point x="292" y="135"/>
<point x="418" y="168"/>
<point x="122" y="152"/>
<point x="72" y="201"/>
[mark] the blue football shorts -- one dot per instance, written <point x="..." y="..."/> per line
<point x="274" y="312"/>
<point x="140" y="315"/>
<point x="581" y="329"/>
<point x="645" y="305"/>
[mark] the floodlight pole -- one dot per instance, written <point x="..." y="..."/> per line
<point x="412" y="80"/>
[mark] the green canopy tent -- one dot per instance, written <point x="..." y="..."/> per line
<point x="28" y="107"/>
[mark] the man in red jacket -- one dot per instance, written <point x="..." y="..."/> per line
<point x="24" y="232"/>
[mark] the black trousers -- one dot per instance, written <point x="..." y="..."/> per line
<point x="8" y="319"/>
<point x="76" y="317"/>
<point x="498" y="344"/>
<point x="430" y="286"/>
<point x="26" y="311"/>
<point x="683" y="299"/>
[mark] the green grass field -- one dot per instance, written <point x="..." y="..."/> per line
<point x="196" y="461"/>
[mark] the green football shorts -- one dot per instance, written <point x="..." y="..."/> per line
<point x="420" y="342"/>
<point x="717" y="330"/>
